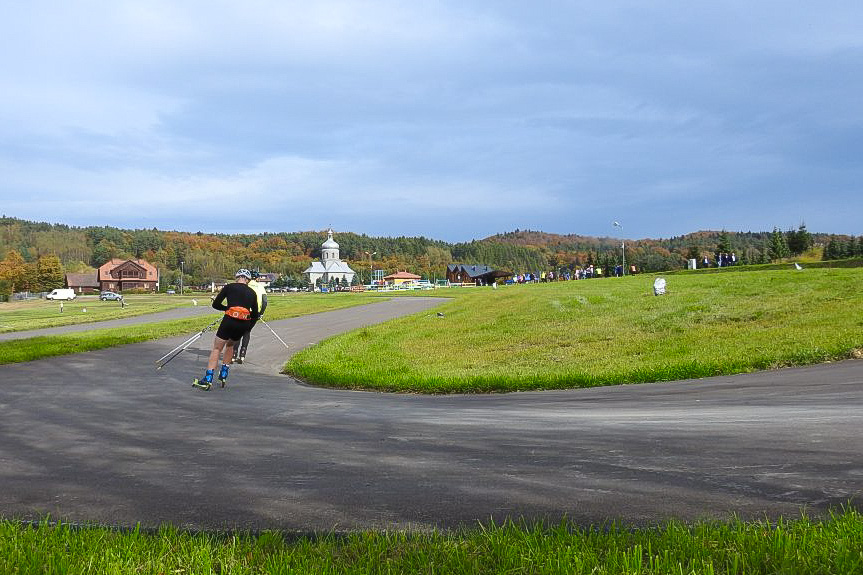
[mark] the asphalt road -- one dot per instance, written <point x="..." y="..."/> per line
<point x="103" y="437"/>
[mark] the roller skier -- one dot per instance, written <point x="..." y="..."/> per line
<point x="240" y="350"/>
<point x="240" y="304"/>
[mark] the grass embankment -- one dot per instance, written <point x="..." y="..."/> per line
<point x="803" y="546"/>
<point x="601" y="332"/>
<point x="29" y="349"/>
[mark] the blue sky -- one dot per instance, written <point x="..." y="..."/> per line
<point x="449" y="119"/>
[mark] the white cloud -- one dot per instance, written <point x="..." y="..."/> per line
<point x="406" y="111"/>
<point x="312" y="191"/>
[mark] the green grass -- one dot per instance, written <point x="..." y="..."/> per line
<point x="782" y="265"/>
<point x="29" y="349"/>
<point x="601" y="332"/>
<point x="833" y="545"/>
<point x="42" y="313"/>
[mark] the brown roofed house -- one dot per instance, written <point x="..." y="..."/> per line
<point x="83" y="283"/>
<point x="478" y="274"/>
<point x="119" y="275"/>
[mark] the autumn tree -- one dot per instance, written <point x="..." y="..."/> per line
<point x="49" y="273"/>
<point x="693" y="252"/>
<point x="14" y="270"/>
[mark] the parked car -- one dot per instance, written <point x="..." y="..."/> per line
<point x="109" y="296"/>
<point x="171" y="292"/>
<point x="61" y="293"/>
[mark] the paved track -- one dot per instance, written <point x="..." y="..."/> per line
<point x="103" y="437"/>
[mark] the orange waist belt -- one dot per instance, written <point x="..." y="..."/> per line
<point x="238" y="312"/>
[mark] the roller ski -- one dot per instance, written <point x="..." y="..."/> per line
<point x="205" y="382"/>
<point x="223" y="376"/>
<point x="239" y="356"/>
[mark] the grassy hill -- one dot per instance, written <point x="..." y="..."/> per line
<point x="601" y="332"/>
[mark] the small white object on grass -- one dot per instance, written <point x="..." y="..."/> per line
<point x="659" y="286"/>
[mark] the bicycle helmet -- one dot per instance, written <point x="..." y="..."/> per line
<point x="243" y="273"/>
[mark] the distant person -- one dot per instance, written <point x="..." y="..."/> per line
<point x="258" y="287"/>
<point x="240" y="304"/>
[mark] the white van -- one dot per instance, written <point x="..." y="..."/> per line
<point x="62" y="293"/>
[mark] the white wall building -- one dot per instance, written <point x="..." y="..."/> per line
<point x="330" y="267"/>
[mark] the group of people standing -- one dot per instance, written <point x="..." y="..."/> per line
<point x="722" y="260"/>
<point x="243" y="303"/>
<point x="584" y="273"/>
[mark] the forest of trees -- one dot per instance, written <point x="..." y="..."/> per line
<point x="35" y="256"/>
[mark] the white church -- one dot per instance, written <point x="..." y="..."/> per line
<point x="330" y="267"/>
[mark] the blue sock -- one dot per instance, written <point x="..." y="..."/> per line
<point x="209" y="375"/>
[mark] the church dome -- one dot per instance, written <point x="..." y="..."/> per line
<point x="330" y="244"/>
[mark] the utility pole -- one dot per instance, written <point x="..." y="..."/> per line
<point x="370" y="265"/>
<point x="622" y="250"/>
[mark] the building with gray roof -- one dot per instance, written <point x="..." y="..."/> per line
<point x="330" y="268"/>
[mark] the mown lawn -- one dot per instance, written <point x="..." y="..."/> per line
<point x="279" y="307"/>
<point x="802" y="546"/>
<point x="601" y="332"/>
<point x="42" y="313"/>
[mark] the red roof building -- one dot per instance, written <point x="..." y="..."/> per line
<point x="402" y="277"/>
<point x="119" y="274"/>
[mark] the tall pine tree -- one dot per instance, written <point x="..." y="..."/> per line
<point x="778" y="245"/>
<point x="798" y="241"/>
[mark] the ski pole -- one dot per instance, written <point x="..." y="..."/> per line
<point x="274" y="333"/>
<point x="183" y="346"/>
<point x="177" y="351"/>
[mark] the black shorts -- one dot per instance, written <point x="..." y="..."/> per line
<point x="232" y="329"/>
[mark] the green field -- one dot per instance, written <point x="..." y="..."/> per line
<point x="601" y="332"/>
<point x="799" y="547"/>
<point x="42" y="313"/>
<point x="20" y="316"/>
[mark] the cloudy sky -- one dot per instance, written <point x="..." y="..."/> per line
<point x="449" y="119"/>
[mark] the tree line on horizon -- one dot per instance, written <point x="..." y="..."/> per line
<point x="35" y="256"/>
